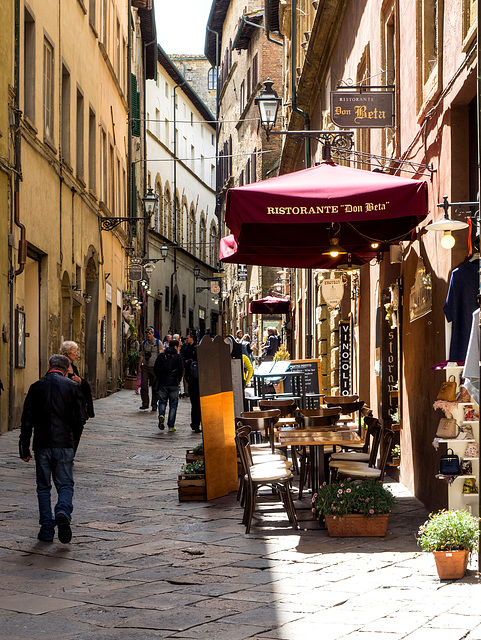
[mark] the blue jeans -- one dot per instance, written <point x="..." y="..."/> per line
<point x="54" y="464"/>
<point x="172" y="395"/>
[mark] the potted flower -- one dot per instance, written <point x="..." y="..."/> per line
<point x="396" y="455"/>
<point x="354" y="507"/>
<point x="451" y="536"/>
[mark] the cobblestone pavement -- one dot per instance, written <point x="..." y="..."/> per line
<point x="141" y="565"/>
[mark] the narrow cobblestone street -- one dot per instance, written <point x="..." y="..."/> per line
<point x="141" y="565"/>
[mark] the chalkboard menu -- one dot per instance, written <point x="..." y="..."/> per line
<point x="312" y="371"/>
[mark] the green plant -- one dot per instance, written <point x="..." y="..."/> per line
<point x="194" y="468"/>
<point x="133" y="359"/>
<point x="133" y="331"/>
<point x="449" y="531"/>
<point x="396" y="451"/>
<point x="120" y="382"/>
<point x="110" y="383"/>
<point x="198" y="450"/>
<point x="365" y="497"/>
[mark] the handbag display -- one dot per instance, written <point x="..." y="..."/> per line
<point x="470" y="486"/>
<point x="447" y="428"/>
<point x="472" y="450"/>
<point x="447" y="391"/>
<point x="449" y="464"/>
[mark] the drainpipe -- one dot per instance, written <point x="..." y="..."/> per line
<point x="267" y="19"/>
<point x="307" y="147"/>
<point x="22" y="246"/>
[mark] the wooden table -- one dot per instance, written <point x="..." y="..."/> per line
<point x="316" y="441"/>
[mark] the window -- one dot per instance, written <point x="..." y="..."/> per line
<point x="429" y="51"/>
<point x="192" y="157"/>
<point x="112" y="179"/>
<point x="118" y="201"/>
<point x="92" y="12"/>
<point x="48" y="75"/>
<point x="104" y="22"/>
<point x="29" y="67"/>
<point x="212" y="176"/>
<point x="242" y="98"/>
<point x="166" y="90"/>
<point x="202" y="238"/>
<point x="166" y="132"/>
<point x="158" y="215"/>
<point x="469" y="13"/>
<point x="389" y="63"/>
<point x="191" y="119"/>
<point x="191" y="232"/>
<point x="249" y="88"/>
<point x="80" y="134"/>
<point x="103" y="167"/>
<point x="65" y="150"/>
<point x="92" y="151"/>
<point x="255" y="72"/>
<point x="211" y="80"/>
<point x="167" y="214"/>
<point x="157" y="124"/>
<point x="202" y="168"/>
<point x="118" y="61"/>
<point x="212" y="247"/>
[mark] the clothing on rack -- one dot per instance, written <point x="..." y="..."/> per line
<point x="471" y="367"/>
<point x="461" y="302"/>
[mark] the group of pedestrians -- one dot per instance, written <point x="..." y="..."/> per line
<point x="163" y="367"/>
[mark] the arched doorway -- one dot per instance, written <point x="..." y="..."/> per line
<point x="175" y="316"/>
<point x="66" y="309"/>
<point x="91" y="317"/>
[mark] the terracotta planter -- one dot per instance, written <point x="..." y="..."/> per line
<point x="356" y="525"/>
<point x="451" y="565"/>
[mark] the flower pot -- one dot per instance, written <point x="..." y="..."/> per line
<point x="451" y="565"/>
<point x="356" y="525"/>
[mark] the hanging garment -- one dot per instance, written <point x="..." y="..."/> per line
<point x="471" y="367"/>
<point x="460" y="304"/>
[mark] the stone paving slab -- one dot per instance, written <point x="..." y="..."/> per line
<point x="142" y="566"/>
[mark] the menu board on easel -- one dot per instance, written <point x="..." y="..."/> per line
<point x="312" y="370"/>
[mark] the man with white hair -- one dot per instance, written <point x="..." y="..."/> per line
<point x="54" y="410"/>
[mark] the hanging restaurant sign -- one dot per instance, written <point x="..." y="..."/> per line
<point x="362" y="109"/>
<point x="332" y="291"/>
<point x="242" y="272"/>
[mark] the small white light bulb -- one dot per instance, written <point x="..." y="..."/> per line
<point x="448" y="241"/>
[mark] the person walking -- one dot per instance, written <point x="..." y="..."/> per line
<point x="270" y="346"/>
<point x="168" y="369"/>
<point x="151" y="347"/>
<point x="191" y="369"/>
<point x="54" y="410"/>
<point x="70" y="349"/>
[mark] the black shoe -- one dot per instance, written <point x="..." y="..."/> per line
<point x="161" y="423"/>
<point x="64" y="530"/>
<point x="196" y="430"/>
<point x="142" y="408"/>
<point x="46" y="535"/>
<point x="154" y="409"/>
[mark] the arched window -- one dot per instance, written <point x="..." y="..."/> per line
<point x="213" y="253"/>
<point x="202" y="238"/>
<point x="191" y="232"/>
<point x="159" y="209"/>
<point x="212" y="80"/>
<point x="167" y="214"/>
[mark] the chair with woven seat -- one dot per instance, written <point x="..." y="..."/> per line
<point x="268" y="475"/>
<point x="363" y="470"/>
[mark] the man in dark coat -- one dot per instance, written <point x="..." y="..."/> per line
<point x="54" y="410"/>
<point x="168" y="369"/>
<point x="189" y="356"/>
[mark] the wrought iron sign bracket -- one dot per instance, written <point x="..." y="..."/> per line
<point x="107" y="224"/>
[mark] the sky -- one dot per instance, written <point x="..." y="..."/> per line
<point x="181" y="25"/>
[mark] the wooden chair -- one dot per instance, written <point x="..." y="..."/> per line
<point x="262" y="421"/>
<point x="287" y="407"/>
<point x="349" y="405"/>
<point x="367" y="453"/>
<point x="278" y="478"/>
<point x="363" y="470"/>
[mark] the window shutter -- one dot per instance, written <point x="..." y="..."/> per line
<point x="135" y="115"/>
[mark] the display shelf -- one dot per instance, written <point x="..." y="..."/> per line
<point x="456" y="498"/>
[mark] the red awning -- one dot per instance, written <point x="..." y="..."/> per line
<point x="290" y="220"/>
<point x="270" y="305"/>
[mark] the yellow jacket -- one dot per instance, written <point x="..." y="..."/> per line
<point x="247" y="368"/>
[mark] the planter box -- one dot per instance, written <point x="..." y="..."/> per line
<point x="356" y="525"/>
<point x="130" y="382"/>
<point x="190" y="456"/>
<point x="192" y="488"/>
<point x="451" y="565"/>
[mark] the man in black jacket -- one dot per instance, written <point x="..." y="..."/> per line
<point x="54" y="410"/>
<point x="189" y="356"/>
<point x="168" y="369"/>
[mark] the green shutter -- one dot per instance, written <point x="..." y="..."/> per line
<point x="135" y="114"/>
<point x="134" y="202"/>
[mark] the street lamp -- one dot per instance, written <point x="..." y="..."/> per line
<point x="268" y="104"/>
<point x="446" y="225"/>
<point x="196" y="271"/>
<point x="150" y="199"/>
